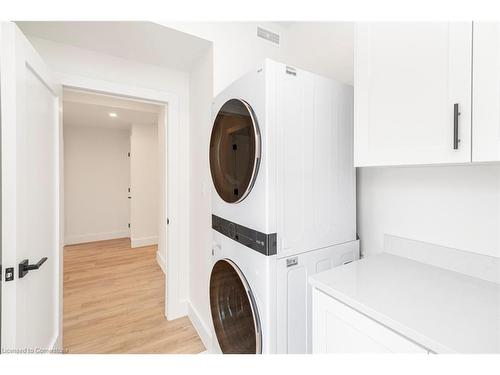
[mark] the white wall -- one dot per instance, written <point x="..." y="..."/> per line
<point x="63" y="58"/>
<point x="321" y="47"/>
<point x="96" y="178"/>
<point x="453" y="206"/>
<point x="144" y="180"/>
<point x="236" y="48"/>
<point x="200" y="192"/>
<point x="325" y="48"/>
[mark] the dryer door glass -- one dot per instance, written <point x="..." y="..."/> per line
<point x="234" y="312"/>
<point x="234" y="150"/>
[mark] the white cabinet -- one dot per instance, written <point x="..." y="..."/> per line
<point x="338" y="328"/>
<point x="407" y="79"/>
<point x="486" y="92"/>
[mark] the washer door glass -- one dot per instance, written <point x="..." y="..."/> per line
<point x="234" y="312"/>
<point x="234" y="150"/>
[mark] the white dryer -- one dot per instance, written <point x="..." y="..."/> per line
<point x="281" y="159"/>
<point x="241" y="161"/>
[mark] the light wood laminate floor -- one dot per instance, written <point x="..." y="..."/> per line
<point x="114" y="298"/>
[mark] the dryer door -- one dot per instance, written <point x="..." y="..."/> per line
<point x="234" y="150"/>
<point x="234" y="311"/>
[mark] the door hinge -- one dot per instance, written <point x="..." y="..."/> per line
<point x="129" y="225"/>
<point x="128" y="154"/>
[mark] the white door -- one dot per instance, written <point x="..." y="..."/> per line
<point x="407" y="79"/>
<point x="486" y="92"/>
<point x="30" y="120"/>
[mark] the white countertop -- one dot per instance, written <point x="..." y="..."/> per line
<point x="442" y="310"/>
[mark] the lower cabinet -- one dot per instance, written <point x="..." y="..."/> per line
<point x="339" y="329"/>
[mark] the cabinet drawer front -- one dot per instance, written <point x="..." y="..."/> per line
<point x="339" y="329"/>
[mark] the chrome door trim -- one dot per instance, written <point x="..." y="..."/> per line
<point x="258" y="149"/>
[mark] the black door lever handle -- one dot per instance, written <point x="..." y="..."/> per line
<point x="25" y="267"/>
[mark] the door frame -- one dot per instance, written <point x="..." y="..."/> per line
<point x="177" y="189"/>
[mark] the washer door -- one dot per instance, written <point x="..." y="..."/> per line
<point x="234" y="312"/>
<point x="234" y="150"/>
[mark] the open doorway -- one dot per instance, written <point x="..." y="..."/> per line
<point x="114" y="260"/>
<point x="111" y="154"/>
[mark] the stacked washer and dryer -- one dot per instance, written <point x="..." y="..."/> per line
<point x="281" y="160"/>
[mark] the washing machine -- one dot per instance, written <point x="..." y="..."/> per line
<point x="261" y="304"/>
<point x="242" y="299"/>
<point x="283" y="204"/>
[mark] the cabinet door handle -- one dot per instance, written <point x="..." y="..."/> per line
<point x="456" y="113"/>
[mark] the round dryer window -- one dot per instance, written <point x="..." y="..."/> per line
<point x="234" y="150"/>
<point x="234" y="312"/>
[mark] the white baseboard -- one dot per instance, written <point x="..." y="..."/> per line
<point x="203" y="331"/>
<point x="176" y="310"/>
<point x="92" y="237"/>
<point x="144" y="241"/>
<point x="161" y="262"/>
<point x="56" y="346"/>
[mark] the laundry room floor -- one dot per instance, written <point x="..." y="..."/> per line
<point x="114" y="298"/>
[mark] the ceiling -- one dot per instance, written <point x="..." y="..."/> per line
<point x="89" y="109"/>
<point x="145" y="42"/>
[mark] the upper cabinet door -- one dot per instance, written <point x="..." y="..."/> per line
<point x="412" y="93"/>
<point x="486" y="92"/>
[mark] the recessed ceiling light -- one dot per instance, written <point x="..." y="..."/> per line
<point x="112" y="114"/>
